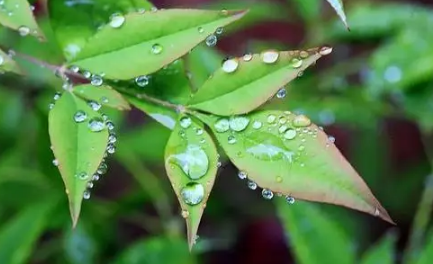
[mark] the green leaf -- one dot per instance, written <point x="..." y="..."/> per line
<point x="426" y="255"/>
<point x="202" y="62"/>
<point x="287" y="154"/>
<point x="308" y="9"/>
<point x="253" y="80"/>
<point x="191" y="163"/>
<point x="155" y="251"/>
<point x="381" y="253"/>
<point x="79" y="246"/>
<point x="173" y="33"/>
<point x="104" y="95"/>
<point x="19" y="235"/>
<point x="78" y="150"/>
<point x="314" y="236"/>
<point x="7" y="64"/>
<point x="338" y="7"/>
<point x="74" y="22"/>
<point x="18" y="15"/>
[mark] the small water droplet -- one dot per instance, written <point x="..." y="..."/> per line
<point x="55" y="162"/>
<point x="112" y="138"/>
<point x="90" y="185"/>
<point x="281" y="93"/>
<point x="230" y="65"/>
<point x="185" y="214"/>
<point x="301" y="121"/>
<point x="95" y="105"/>
<point x="222" y="125"/>
<point x="247" y="57"/>
<point x="303" y="54"/>
<point x="87" y="74"/>
<point x="267" y="194"/>
<point x="156" y="48"/>
<point x="290" y="199"/>
<point x="219" y="30"/>
<point x="239" y="123"/>
<point x="111" y="149"/>
<point x="110" y="125"/>
<point x="57" y="96"/>
<point x="96" y="80"/>
<point x="192" y="193"/>
<point x="376" y="212"/>
<point x="96" y="124"/>
<point x="231" y="140"/>
<point x="23" y="31"/>
<point x="271" y="119"/>
<point x="331" y="139"/>
<point x="211" y="40"/>
<point x="200" y="30"/>
<point x="51" y="106"/>
<point x="199" y="131"/>
<point x="74" y="68"/>
<point x="95" y="177"/>
<point x="252" y="185"/>
<point x="185" y="122"/>
<point x="102" y="169"/>
<point x="257" y="124"/>
<point x="279" y="179"/>
<point x="82" y="176"/>
<point x="224" y="12"/>
<point x="86" y="195"/>
<point x="325" y="50"/>
<point x="80" y="116"/>
<point x="270" y="56"/>
<point x="142" y="81"/>
<point x="290" y="134"/>
<point x="117" y="20"/>
<point x="104" y="100"/>
<point x="296" y="63"/>
<point x="242" y="175"/>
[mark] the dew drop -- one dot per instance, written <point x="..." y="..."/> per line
<point x="230" y="65"/>
<point x="301" y="121"/>
<point x="252" y="185"/>
<point x="110" y="125"/>
<point x="193" y="161"/>
<point x="57" y="96"/>
<point x="271" y="119"/>
<point x="290" y="199"/>
<point x="156" y="48"/>
<point x="211" y="40"/>
<point x="247" y="57"/>
<point x="239" y="123"/>
<point x="199" y="131"/>
<point x="185" y="214"/>
<point x="257" y="124"/>
<point x="303" y="54"/>
<point x="200" y="30"/>
<point x="192" y="193"/>
<point x="325" y="50"/>
<point x="95" y="177"/>
<point x="282" y="129"/>
<point x="142" y="81"/>
<point x="270" y="56"/>
<point x="55" y="162"/>
<point x="331" y="139"/>
<point x="281" y="93"/>
<point x="80" y="116"/>
<point x="267" y="194"/>
<point x="90" y="185"/>
<point x="290" y="134"/>
<point x="117" y="20"/>
<point x="95" y="105"/>
<point x="231" y="140"/>
<point x="96" y="124"/>
<point x="222" y="125"/>
<point x="87" y="74"/>
<point x="219" y="30"/>
<point x="242" y="175"/>
<point x="102" y="169"/>
<point x="112" y="138"/>
<point x="86" y="195"/>
<point x="74" y="68"/>
<point x="111" y="149"/>
<point x="51" y="106"/>
<point x="23" y="31"/>
<point x="296" y="63"/>
<point x="96" y="80"/>
<point x="82" y="176"/>
<point x="185" y="122"/>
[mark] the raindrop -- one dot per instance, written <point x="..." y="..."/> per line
<point x="23" y="31"/>
<point x="112" y="138"/>
<point x="303" y="54"/>
<point x="142" y="81"/>
<point x="110" y="125"/>
<point x="239" y="123"/>
<point x="86" y="195"/>
<point x="211" y="40"/>
<point x="199" y="131"/>
<point x="331" y="139"/>
<point x="87" y="74"/>
<point x="257" y="124"/>
<point x="296" y="63"/>
<point x="281" y="93"/>
<point x="104" y="100"/>
<point x="231" y="140"/>
<point x="80" y="116"/>
<point x="301" y="121"/>
<point x="74" y="68"/>
<point x="267" y="194"/>
<point x="185" y="122"/>
<point x="222" y="125"/>
<point x="111" y="149"/>
<point x="271" y="119"/>
<point x="193" y="161"/>
<point x="51" y="106"/>
<point x="96" y="80"/>
<point x="325" y="50"/>
<point x="200" y="30"/>
<point x="90" y="185"/>
<point x="247" y="57"/>
<point x="57" y="96"/>
<point x="55" y="162"/>
<point x="95" y="177"/>
<point x="252" y="185"/>
<point x="230" y="65"/>
<point x="290" y="199"/>
<point x="290" y="134"/>
<point x="94" y="105"/>
<point x="282" y="120"/>
<point x="192" y="193"/>
<point x="156" y="48"/>
<point x="270" y="56"/>
<point x="102" y="169"/>
<point x="96" y="124"/>
<point x="282" y="129"/>
<point x="219" y="164"/>
<point x="117" y="20"/>
<point x="82" y="176"/>
<point x="242" y="175"/>
<point x="219" y="31"/>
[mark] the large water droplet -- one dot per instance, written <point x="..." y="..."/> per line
<point x="290" y="134"/>
<point x="270" y="56"/>
<point x="301" y="121"/>
<point x="96" y="124"/>
<point x="222" y="125"/>
<point x="142" y="81"/>
<point x="193" y="161"/>
<point x="156" y="48"/>
<point x="252" y="185"/>
<point x="281" y="93"/>
<point x="80" y="116"/>
<point x="23" y="31"/>
<point x="325" y="50"/>
<point x="230" y="65"/>
<point x="267" y="194"/>
<point x="239" y="123"/>
<point x="269" y="149"/>
<point x="185" y="122"/>
<point x="211" y="40"/>
<point x="192" y="193"/>
<point x="242" y="175"/>
<point x="117" y="20"/>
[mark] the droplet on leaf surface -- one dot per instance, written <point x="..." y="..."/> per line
<point x="222" y="125"/>
<point x="117" y="20"/>
<point x="96" y="124"/>
<point x="270" y="56"/>
<point x="193" y="161"/>
<point x="230" y="65"/>
<point x="192" y="193"/>
<point x="80" y="116"/>
<point x="239" y="123"/>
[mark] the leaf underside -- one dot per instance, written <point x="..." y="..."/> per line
<point x="18" y="15"/>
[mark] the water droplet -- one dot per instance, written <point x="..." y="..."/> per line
<point x="219" y="31"/>
<point x="219" y="164"/>
<point x="211" y="40"/>
<point x="86" y="195"/>
<point x="282" y="120"/>
<point x="192" y="193"/>
<point x="331" y="139"/>
<point x="110" y="125"/>
<point x="290" y="134"/>
<point x="325" y="50"/>
<point x="96" y="124"/>
<point x="281" y="93"/>
<point x="239" y="123"/>
<point x="23" y="31"/>
<point x="242" y="175"/>
<point x="224" y="12"/>
<point x="376" y="212"/>
<point x="57" y="96"/>
<point x="80" y="116"/>
<point x="95" y="177"/>
<point x="1" y="59"/>
<point x="301" y="121"/>
<point x="142" y="81"/>
<point x="252" y="185"/>
<point x="271" y="119"/>
<point x="96" y="80"/>
<point x="185" y="214"/>
<point x="112" y="138"/>
<point x="303" y="54"/>
<point x="74" y="68"/>
<point x="222" y="125"/>
<point x="267" y="194"/>
<point x="296" y="63"/>
<point x="82" y="176"/>
<point x="94" y="105"/>
<point x="51" y="106"/>
<point x="185" y="122"/>
<point x="199" y="131"/>
<point x="111" y="149"/>
<point x="117" y="20"/>
<point x="282" y="129"/>
<point x="301" y="148"/>
<point x="193" y="161"/>
<point x="257" y="124"/>
<point x="270" y="56"/>
<point x="90" y="185"/>
<point x="231" y="140"/>
<point x="200" y="30"/>
<point x="102" y="169"/>
<point x="279" y="179"/>
<point x="156" y="48"/>
<point x="247" y="57"/>
<point x="87" y="74"/>
<point x="290" y="199"/>
<point x="55" y="162"/>
<point x="230" y="65"/>
<point x="104" y="100"/>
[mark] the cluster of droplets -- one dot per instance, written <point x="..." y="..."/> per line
<point x="212" y="39"/>
<point x="95" y="79"/>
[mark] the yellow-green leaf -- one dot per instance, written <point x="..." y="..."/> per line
<point x="243" y="84"/>
<point x="79" y="139"/>
<point x="104" y="95"/>
<point x="382" y="252"/>
<point x="144" y="43"/>
<point x="18" y="15"/>
<point x="191" y="162"/>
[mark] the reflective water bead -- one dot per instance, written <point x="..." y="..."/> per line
<point x="112" y="138"/>
<point x="96" y="80"/>
<point x="257" y="124"/>
<point x="282" y="120"/>
<point x="117" y="20"/>
<point x="325" y="50"/>
<point x="290" y="199"/>
<point x="331" y="139"/>
<point x="219" y="164"/>
<point x="57" y="96"/>
<point x="270" y="56"/>
<point x="252" y="185"/>
<point x="94" y="105"/>
<point x="271" y="119"/>
<point x="219" y="30"/>
<point x="95" y="177"/>
<point x="185" y="122"/>
<point x="281" y="93"/>
<point x="80" y="116"/>
<point x="51" y="106"/>
<point x="90" y="185"/>
<point x="296" y="63"/>
<point x="231" y="140"/>
<point x="282" y="129"/>
<point x="267" y="194"/>
<point x="290" y="134"/>
<point x="222" y="125"/>
<point x="239" y="123"/>
<point x="230" y="65"/>
<point x="156" y="48"/>
<point x="110" y="125"/>
<point x="82" y="176"/>
<point x="104" y="100"/>
<point x="55" y="162"/>
<point x="247" y="57"/>
<point x="23" y="31"/>
<point x="193" y="161"/>
<point x="242" y="175"/>
<point x="87" y="74"/>
<point x="102" y="169"/>
<point x="192" y="193"/>
<point x="303" y="54"/>
<point x="199" y="131"/>
<point x="111" y="149"/>
<point x="96" y="124"/>
<point x="1" y="60"/>
<point x="142" y="81"/>
<point x="301" y="121"/>
<point x="211" y="40"/>
<point x="74" y="68"/>
<point x="86" y="195"/>
<point x="200" y="30"/>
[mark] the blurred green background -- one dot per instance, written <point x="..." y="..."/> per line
<point x="374" y="94"/>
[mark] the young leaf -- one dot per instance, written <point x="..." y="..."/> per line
<point x="104" y="95"/>
<point x="18" y="15"/>
<point x="338" y="7"/>
<point x="74" y="22"/>
<point x="7" y="64"/>
<point x="18" y="236"/>
<point x="202" y="63"/>
<point x="79" y="138"/>
<point x="313" y="236"/>
<point x="191" y="162"/>
<point x="173" y="33"/>
<point x="286" y="154"/>
<point x="254" y="78"/>
<point x="381" y="253"/>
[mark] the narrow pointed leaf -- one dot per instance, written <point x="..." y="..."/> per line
<point x="18" y="15"/>
<point x="74" y="22"/>
<point x="78" y="150"/>
<point x="19" y="235"/>
<point x="382" y="252"/>
<point x="104" y="95"/>
<point x="287" y="154"/>
<point x="191" y="164"/>
<point x="7" y="64"/>
<point x="339" y="9"/>
<point x="158" y="37"/>
<point x="253" y="80"/>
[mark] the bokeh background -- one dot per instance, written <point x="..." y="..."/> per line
<point x="374" y="94"/>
